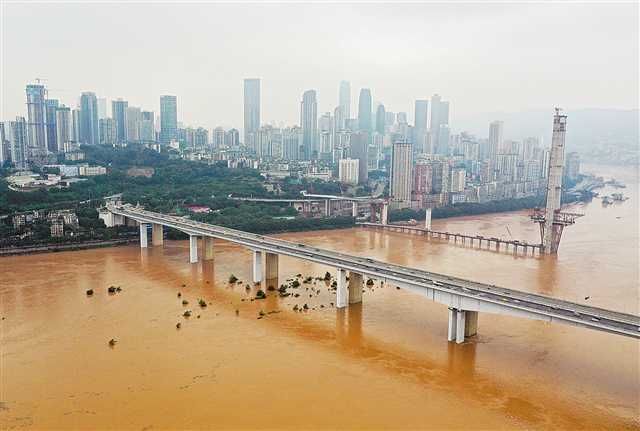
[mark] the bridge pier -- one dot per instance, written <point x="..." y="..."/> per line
<point x="327" y="208"/>
<point x="257" y="266"/>
<point x="462" y="323"/>
<point x="208" y="248"/>
<point x="144" y="235"/>
<point x="271" y="266"/>
<point x="342" y="294"/>
<point x="193" y="248"/>
<point x="384" y="218"/>
<point x="427" y="219"/>
<point x="355" y="287"/>
<point x="354" y="209"/>
<point x="157" y="231"/>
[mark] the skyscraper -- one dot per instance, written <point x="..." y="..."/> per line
<point x="118" y="112"/>
<point x="107" y="131"/>
<point x="36" y="118"/>
<point x="63" y="126"/>
<point x="401" y="174"/>
<point x="18" y="141"/>
<point x="102" y="107"/>
<point x="420" y="125"/>
<point x="146" y="128"/>
<point x="344" y="103"/>
<point x="380" y="119"/>
<point x="496" y="129"/>
<point x="134" y="116"/>
<point x="51" y="105"/>
<point x="89" y="128"/>
<point x="75" y="125"/>
<point x="364" y="110"/>
<point x="251" y="108"/>
<point x="439" y="118"/>
<point x="359" y="146"/>
<point x="168" y="118"/>
<point x="309" y="123"/>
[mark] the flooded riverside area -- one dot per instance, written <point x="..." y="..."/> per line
<point x="134" y="359"/>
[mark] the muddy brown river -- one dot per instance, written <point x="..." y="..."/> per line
<point x="385" y="363"/>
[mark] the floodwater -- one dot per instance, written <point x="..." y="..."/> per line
<point x="385" y="363"/>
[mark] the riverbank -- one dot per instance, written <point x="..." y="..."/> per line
<point x="51" y="248"/>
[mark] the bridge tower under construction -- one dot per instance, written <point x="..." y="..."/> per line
<point x="551" y="220"/>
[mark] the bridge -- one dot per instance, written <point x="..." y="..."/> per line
<point x="464" y="298"/>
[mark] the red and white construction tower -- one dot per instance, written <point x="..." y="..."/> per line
<point x="551" y="220"/>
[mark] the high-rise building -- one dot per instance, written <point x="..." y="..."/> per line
<point x="108" y="131"/>
<point x="251" y="108"/>
<point x="63" y="126"/>
<point x="232" y="138"/>
<point x="168" y="118"/>
<point x="133" y="116"/>
<point x="380" y="119"/>
<point x="572" y="170"/>
<point x="401" y="174"/>
<point x="344" y="103"/>
<point x="348" y="171"/>
<point x="102" y="107"/>
<point x="496" y="130"/>
<point x="18" y="142"/>
<point x="146" y="128"/>
<point x="291" y="143"/>
<point x="364" y="110"/>
<point x="51" y="105"/>
<point x="359" y="146"/>
<point x="4" y="148"/>
<point x="75" y="125"/>
<point x="421" y="115"/>
<point x="217" y="140"/>
<point x="119" y="114"/>
<point x="36" y="118"/>
<point x="439" y="118"/>
<point x="89" y="128"/>
<point x="309" y="123"/>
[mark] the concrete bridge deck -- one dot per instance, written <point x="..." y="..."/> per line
<point x="464" y="298"/>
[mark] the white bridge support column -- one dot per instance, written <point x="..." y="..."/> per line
<point x="327" y="208"/>
<point x="354" y="209"/>
<point x="355" y="287"/>
<point x="257" y="266"/>
<point x="271" y="266"/>
<point x="427" y="219"/>
<point x="462" y="324"/>
<point x="157" y="234"/>
<point x="342" y="294"/>
<point x="144" y="240"/>
<point x="193" y="248"/>
<point x="384" y="217"/>
<point x="208" y="248"/>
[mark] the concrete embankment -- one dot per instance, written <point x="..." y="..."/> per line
<point x="47" y="248"/>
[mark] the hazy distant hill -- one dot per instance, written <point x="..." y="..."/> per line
<point x="585" y="127"/>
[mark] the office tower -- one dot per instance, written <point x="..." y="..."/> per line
<point x="146" y="128"/>
<point x="359" y="146"/>
<point x="36" y="118"/>
<point x="102" y="107"/>
<point x="420" y="124"/>
<point x="348" y="171"/>
<point x="108" y="131"/>
<point x="344" y="103"/>
<point x="496" y="129"/>
<point x="18" y="142"/>
<point x="217" y="140"/>
<point x="63" y="126"/>
<point x="291" y="143"/>
<point x="133" y="116"/>
<point x="3" y="140"/>
<point x="442" y="146"/>
<point x="201" y="138"/>
<point x="119" y="114"/>
<point x="251" y="108"/>
<point x="380" y="119"/>
<point x="89" y="131"/>
<point x="401" y="174"/>
<point x="51" y="105"/>
<point x="364" y="110"/>
<point x="439" y="118"/>
<point x="168" y="118"/>
<point x="309" y="123"/>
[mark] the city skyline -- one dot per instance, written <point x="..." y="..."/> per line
<point x="498" y="75"/>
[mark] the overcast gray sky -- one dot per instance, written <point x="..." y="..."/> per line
<point x="480" y="57"/>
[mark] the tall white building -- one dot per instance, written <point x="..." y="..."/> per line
<point x="63" y="126"/>
<point x="251" y="108"/>
<point x="496" y="130"/>
<point x="133" y="116"/>
<point x="344" y="104"/>
<point x="36" y="118"/>
<point x="348" y="171"/>
<point x="439" y="118"/>
<point x="401" y="174"/>
<point x="309" y="123"/>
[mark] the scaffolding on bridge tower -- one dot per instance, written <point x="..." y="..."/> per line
<point x="551" y="219"/>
